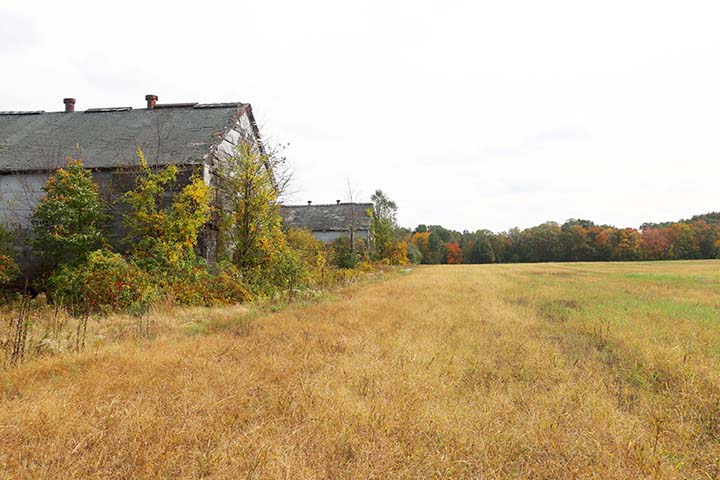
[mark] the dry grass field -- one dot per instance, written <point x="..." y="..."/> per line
<point x="498" y="371"/>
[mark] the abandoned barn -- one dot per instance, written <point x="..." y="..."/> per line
<point x="329" y="222"/>
<point x="196" y="137"/>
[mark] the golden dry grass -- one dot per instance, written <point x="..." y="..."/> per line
<point x="507" y="371"/>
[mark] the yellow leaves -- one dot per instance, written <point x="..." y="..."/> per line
<point x="421" y="239"/>
<point x="399" y="254"/>
<point x="198" y="190"/>
<point x="141" y="158"/>
<point x="167" y="233"/>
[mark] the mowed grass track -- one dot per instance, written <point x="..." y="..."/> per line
<point x="498" y="371"/>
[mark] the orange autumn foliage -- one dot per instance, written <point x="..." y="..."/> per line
<point x="454" y="253"/>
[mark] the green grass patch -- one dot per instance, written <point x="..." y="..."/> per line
<point x="672" y="279"/>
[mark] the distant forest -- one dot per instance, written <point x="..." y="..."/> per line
<point x="573" y="241"/>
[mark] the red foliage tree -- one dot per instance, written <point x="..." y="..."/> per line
<point x="655" y="244"/>
<point x="454" y="253"/>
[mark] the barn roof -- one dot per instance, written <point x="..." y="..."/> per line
<point x="328" y="218"/>
<point x="108" y="137"/>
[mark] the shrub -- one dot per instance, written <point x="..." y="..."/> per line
<point x="311" y="252"/>
<point x="198" y="286"/>
<point x="288" y="272"/>
<point x="228" y="286"/>
<point x="342" y="276"/>
<point x="103" y="283"/>
<point x="342" y="256"/>
<point x="8" y="269"/>
<point x="189" y="286"/>
<point x="397" y="253"/>
<point x="282" y="271"/>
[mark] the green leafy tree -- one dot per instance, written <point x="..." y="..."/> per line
<point x="706" y="236"/>
<point x="578" y="245"/>
<point x="413" y="253"/>
<point x="342" y="255"/>
<point x="541" y="243"/>
<point x="684" y="244"/>
<point x="383" y="223"/>
<point x="386" y="233"/>
<point x="479" y="250"/>
<point x="68" y="222"/>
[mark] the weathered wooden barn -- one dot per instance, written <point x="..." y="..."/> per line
<point x="197" y="137"/>
<point x="329" y="222"/>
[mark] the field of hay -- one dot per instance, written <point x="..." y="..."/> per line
<point x="497" y="371"/>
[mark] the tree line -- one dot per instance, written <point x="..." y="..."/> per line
<point x="574" y="241"/>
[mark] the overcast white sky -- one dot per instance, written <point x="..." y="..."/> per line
<point x="470" y="114"/>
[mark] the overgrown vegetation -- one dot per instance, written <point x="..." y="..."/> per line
<point x="166" y="212"/>
<point x="164" y="221"/>
<point x="251" y="232"/>
<point x="105" y="282"/>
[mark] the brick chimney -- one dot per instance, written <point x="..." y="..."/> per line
<point x="69" y="104"/>
<point x="151" y="101"/>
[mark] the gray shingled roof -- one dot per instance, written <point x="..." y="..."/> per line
<point x="107" y="138"/>
<point x="328" y="218"/>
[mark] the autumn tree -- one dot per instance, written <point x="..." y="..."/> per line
<point x="251" y="233"/>
<point x="454" y="253"/>
<point x="575" y="240"/>
<point x="250" y="211"/>
<point x="605" y="243"/>
<point x="655" y="244"/>
<point x="629" y="244"/>
<point x="163" y="227"/>
<point x="421" y="240"/>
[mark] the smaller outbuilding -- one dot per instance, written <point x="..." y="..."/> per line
<point x="329" y="222"/>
